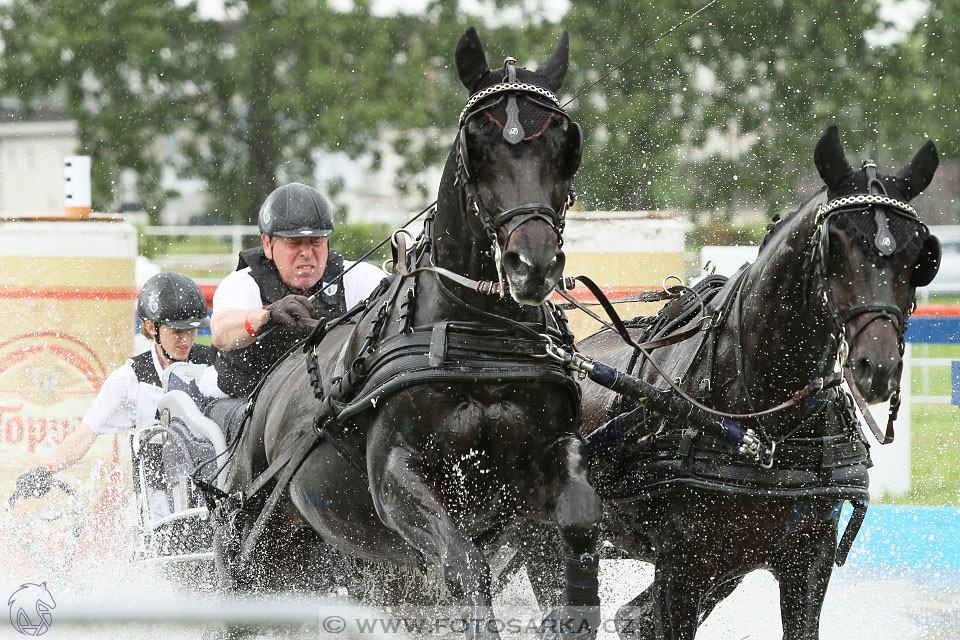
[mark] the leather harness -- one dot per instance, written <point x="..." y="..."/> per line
<point x="666" y="461"/>
<point x="493" y="348"/>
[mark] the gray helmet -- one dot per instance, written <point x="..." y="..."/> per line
<point x="296" y="211"/>
<point x="173" y="299"/>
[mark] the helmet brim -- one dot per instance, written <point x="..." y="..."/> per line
<point x="190" y="323"/>
<point x="303" y="233"/>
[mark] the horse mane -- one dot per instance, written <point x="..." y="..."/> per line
<point x="860" y="228"/>
<point x="775" y="228"/>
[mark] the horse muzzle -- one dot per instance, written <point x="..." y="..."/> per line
<point x="531" y="277"/>
<point x="877" y="377"/>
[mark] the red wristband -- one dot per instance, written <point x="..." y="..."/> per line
<point x="246" y="323"/>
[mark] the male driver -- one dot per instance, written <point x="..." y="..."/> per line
<point x="290" y="277"/>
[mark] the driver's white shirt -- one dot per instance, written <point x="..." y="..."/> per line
<point x="240" y="291"/>
<point x="123" y="401"/>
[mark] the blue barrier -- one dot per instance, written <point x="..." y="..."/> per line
<point x="955" y="383"/>
<point x="934" y="329"/>
<point x="907" y="537"/>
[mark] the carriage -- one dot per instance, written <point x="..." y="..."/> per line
<point x="169" y="460"/>
<point x="168" y="523"/>
<point x="379" y="486"/>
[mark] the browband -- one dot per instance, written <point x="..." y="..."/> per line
<point x="507" y="86"/>
<point x="864" y="199"/>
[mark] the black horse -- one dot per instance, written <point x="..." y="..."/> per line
<point x="839" y="275"/>
<point x="419" y="434"/>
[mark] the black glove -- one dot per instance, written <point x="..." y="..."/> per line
<point x="290" y="309"/>
<point x="34" y="483"/>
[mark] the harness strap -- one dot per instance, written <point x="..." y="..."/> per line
<point x="882" y="437"/>
<point x="618" y="325"/>
<point x="851" y="531"/>
<point x="486" y="287"/>
<point x="290" y="461"/>
<point x="299" y="447"/>
<point x="813" y="388"/>
<point x="654" y="295"/>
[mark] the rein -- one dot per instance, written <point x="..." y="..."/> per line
<point x="815" y="387"/>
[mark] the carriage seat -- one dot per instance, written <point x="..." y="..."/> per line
<point x="182" y="407"/>
<point x="226" y="413"/>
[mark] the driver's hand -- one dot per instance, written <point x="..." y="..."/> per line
<point x="34" y="483"/>
<point x="290" y="309"/>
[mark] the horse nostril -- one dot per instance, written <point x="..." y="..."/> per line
<point x="863" y="371"/>
<point x="555" y="267"/>
<point x="516" y="263"/>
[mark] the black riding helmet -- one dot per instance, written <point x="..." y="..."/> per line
<point x="173" y="299"/>
<point x="296" y="211"/>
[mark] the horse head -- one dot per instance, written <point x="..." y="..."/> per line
<point x="510" y="172"/>
<point x="871" y="253"/>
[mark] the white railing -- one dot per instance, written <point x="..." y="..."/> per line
<point x="333" y="619"/>
<point x="925" y="364"/>
<point x="239" y="235"/>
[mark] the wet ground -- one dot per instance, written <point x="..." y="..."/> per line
<point x="861" y="603"/>
<point x="902" y="583"/>
<point x="873" y="604"/>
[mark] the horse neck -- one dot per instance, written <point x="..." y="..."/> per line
<point x="784" y="335"/>
<point x="455" y="247"/>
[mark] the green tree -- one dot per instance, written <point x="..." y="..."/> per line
<point x="123" y="69"/>
<point x="725" y="110"/>
<point x="246" y="98"/>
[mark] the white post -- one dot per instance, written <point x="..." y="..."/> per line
<point x="76" y="173"/>
<point x="891" y="470"/>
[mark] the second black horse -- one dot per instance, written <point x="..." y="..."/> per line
<point x="834" y="280"/>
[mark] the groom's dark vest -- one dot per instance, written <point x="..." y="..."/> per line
<point x="147" y="373"/>
<point x="239" y="370"/>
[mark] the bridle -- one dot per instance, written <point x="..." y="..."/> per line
<point x="510" y="219"/>
<point x="882" y="205"/>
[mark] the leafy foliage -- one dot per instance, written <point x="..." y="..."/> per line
<point x="721" y="114"/>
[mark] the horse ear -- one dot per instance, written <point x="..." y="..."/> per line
<point x="830" y="159"/>
<point x="555" y="67"/>
<point x="917" y="174"/>
<point x="471" y="61"/>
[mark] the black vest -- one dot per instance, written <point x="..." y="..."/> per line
<point x="147" y="373"/>
<point x="239" y="370"/>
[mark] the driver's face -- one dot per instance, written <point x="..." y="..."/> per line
<point x="300" y="261"/>
<point x="177" y="342"/>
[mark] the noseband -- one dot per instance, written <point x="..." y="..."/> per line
<point x="509" y="89"/>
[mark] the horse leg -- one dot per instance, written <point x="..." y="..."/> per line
<point x="577" y="512"/>
<point x="803" y="572"/>
<point x="412" y="508"/>
<point x="682" y="579"/>
<point x="542" y="555"/>
<point x="635" y="620"/>
<point x="717" y="595"/>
